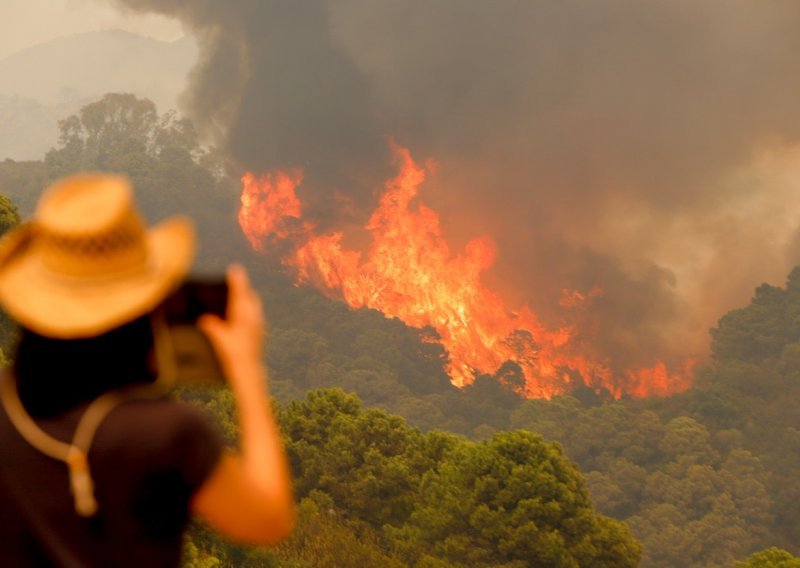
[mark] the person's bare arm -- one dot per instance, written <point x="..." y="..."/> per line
<point x="248" y="496"/>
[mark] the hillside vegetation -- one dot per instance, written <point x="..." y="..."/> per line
<point x="395" y="467"/>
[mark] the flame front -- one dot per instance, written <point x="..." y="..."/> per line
<point x="410" y="273"/>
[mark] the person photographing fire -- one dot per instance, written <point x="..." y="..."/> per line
<point x="98" y="466"/>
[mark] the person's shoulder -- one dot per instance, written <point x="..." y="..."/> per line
<point x="147" y="439"/>
<point x="165" y="408"/>
<point x="157" y="423"/>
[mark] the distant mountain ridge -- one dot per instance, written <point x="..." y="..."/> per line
<point x="49" y="81"/>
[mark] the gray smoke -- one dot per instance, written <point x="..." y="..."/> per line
<point x="615" y="143"/>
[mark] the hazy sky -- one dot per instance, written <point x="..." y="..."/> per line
<point x="24" y="23"/>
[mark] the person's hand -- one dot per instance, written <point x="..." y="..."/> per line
<point x="248" y="496"/>
<point x="238" y="339"/>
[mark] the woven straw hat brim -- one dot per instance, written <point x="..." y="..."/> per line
<point x="69" y="308"/>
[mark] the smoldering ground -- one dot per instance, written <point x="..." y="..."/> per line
<point x="647" y="148"/>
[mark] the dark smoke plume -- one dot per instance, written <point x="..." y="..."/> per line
<point x="643" y="147"/>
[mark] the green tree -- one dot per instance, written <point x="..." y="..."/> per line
<point x="171" y="170"/>
<point x="760" y="330"/>
<point x="770" y="558"/>
<point x="193" y="558"/>
<point x="102" y="132"/>
<point x="367" y="461"/>
<point x="513" y="501"/>
<point x="322" y="539"/>
<point x="9" y="215"/>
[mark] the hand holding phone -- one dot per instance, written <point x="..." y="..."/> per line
<point x="238" y="339"/>
<point x="194" y="358"/>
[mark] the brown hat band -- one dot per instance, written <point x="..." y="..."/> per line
<point x="121" y="249"/>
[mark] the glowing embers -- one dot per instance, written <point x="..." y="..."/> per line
<point x="409" y="272"/>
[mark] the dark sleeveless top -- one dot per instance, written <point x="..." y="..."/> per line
<point x="147" y="459"/>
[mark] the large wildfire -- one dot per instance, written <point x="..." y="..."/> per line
<point x="410" y="273"/>
<point x="658" y="185"/>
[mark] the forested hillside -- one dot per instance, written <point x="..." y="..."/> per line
<point x="375" y="492"/>
<point x="396" y="467"/>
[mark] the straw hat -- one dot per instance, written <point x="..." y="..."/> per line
<point x="86" y="263"/>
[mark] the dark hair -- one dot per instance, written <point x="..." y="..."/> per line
<point x="54" y="375"/>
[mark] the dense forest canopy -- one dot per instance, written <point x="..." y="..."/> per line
<point x="396" y="467"/>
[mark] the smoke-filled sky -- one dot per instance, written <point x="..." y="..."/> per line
<point x="649" y="148"/>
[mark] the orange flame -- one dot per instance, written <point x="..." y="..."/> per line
<point x="410" y="273"/>
<point x="268" y="206"/>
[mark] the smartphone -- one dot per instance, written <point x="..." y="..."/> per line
<point x="196" y="297"/>
<point x="195" y="361"/>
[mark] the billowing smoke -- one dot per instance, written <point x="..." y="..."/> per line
<point x="648" y="148"/>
